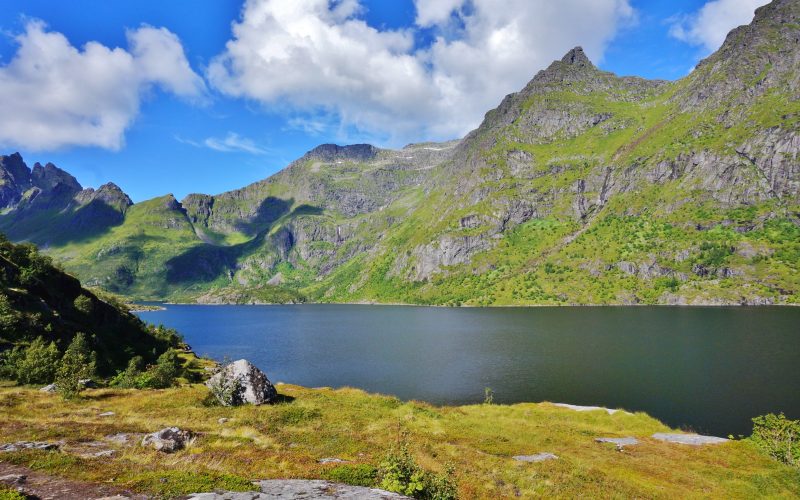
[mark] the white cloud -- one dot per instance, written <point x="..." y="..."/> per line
<point x="231" y="143"/>
<point x="53" y="94"/>
<point x="709" y="26"/>
<point x="316" y="56"/>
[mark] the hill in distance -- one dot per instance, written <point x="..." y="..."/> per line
<point x="582" y="188"/>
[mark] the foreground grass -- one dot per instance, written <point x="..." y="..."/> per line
<point x="286" y="440"/>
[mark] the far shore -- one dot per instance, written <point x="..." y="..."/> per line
<point x="145" y="308"/>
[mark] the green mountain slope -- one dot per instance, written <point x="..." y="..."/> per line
<point x="39" y="301"/>
<point x="582" y="188"/>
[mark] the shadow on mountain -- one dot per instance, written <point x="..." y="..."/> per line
<point x="270" y="210"/>
<point x="205" y="263"/>
<point x="59" y="227"/>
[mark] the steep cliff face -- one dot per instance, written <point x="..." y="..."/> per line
<point x="583" y="187"/>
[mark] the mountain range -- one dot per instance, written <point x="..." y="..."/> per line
<point x="582" y="188"/>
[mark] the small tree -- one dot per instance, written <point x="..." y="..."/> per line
<point x="37" y="364"/>
<point x="227" y="391"/>
<point x="163" y="373"/>
<point x="77" y="364"/>
<point x="83" y="304"/>
<point x="130" y="378"/>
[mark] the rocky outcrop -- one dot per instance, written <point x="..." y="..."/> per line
<point x="690" y="439"/>
<point x="301" y="489"/>
<point x="240" y="383"/>
<point x="168" y="440"/>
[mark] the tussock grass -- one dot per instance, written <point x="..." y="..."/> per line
<point x="286" y="440"/>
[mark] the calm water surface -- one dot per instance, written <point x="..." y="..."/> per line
<point x="708" y="369"/>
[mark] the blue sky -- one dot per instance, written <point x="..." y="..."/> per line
<point x="186" y="103"/>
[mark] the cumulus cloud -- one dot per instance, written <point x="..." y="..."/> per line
<point x="708" y="26"/>
<point x="320" y="58"/>
<point x="53" y="94"/>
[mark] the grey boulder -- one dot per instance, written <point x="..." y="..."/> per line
<point x="253" y="385"/>
<point x="168" y="440"/>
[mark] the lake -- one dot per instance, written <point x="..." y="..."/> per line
<point x="706" y="369"/>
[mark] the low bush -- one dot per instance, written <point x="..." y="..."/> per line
<point x="400" y="473"/>
<point x="158" y="376"/>
<point x="778" y="437"/>
<point x="35" y="364"/>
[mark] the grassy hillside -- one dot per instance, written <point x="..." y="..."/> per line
<point x="287" y="440"/>
<point x="40" y="302"/>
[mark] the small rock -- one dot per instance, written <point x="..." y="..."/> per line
<point x="12" y="479"/>
<point x="88" y="383"/>
<point x="28" y="445"/>
<point x="48" y="388"/>
<point x="539" y="457"/>
<point x="168" y="440"/>
<point x="119" y="438"/>
<point x="620" y="442"/>
<point x="692" y="439"/>
<point x="222" y="420"/>
<point x="330" y="460"/>
<point x="103" y="453"/>
<point x="107" y="414"/>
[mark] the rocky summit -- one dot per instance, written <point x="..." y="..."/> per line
<point x="582" y="188"/>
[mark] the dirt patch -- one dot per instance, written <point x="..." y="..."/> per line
<point x="46" y="487"/>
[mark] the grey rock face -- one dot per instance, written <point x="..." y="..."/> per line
<point x="690" y="439"/>
<point x="28" y="445"/>
<point x="256" y="389"/>
<point x="168" y="440"/>
<point x="301" y="489"/>
<point x="333" y="152"/>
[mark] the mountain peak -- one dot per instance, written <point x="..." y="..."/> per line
<point x="50" y="176"/>
<point x="332" y="152"/>
<point x="576" y="57"/>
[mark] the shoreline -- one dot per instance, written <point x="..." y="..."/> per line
<point x="162" y="305"/>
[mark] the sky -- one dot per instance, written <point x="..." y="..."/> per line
<point x="206" y="96"/>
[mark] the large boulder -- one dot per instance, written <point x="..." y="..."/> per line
<point x="168" y="440"/>
<point x="240" y="383"/>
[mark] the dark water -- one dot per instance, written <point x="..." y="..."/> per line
<point x="708" y="369"/>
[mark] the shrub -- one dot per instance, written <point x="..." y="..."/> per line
<point x="356" y="475"/>
<point x="400" y="473"/>
<point x="37" y="364"/>
<point x="158" y="376"/>
<point x="78" y="363"/>
<point x="130" y="378"/>
<point x="778" y="437"/>
<point x="226" y="391"/>
<point x="163" y="373"/>
<point x="488" y="396"/>
<point x="83" y="304"/>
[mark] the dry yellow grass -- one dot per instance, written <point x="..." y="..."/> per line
<point x="287" y="439"/>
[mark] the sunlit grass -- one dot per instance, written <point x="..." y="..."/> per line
<point x="286" y="440"/>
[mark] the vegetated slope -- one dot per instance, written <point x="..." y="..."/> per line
<point x="37" y="300"/>
<point x="583" y="188"/>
